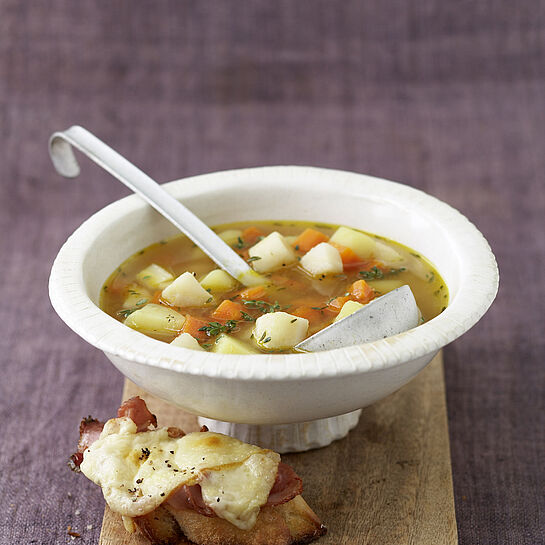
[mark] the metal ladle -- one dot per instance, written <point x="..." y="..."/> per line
<point x="387" y="315"/>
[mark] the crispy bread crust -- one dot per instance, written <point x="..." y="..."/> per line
<point x="292" y="523"/>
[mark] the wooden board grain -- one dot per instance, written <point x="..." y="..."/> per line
<point x="388" y="482"/>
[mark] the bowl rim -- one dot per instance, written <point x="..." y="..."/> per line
<point x="70" y="300"/>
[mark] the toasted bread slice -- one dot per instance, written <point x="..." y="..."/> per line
<point x="290" y="523"/>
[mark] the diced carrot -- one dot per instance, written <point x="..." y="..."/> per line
<point x="336" y="304"/>
<point x="362" y="291"/>
<point x="251" y="234"/>
<point x="192" y="326"/>
<point x="255" y="292"/>
<point x="308" y="239"/>
<point x="349" y="258"/>
<point x="313" y="315"/>
<point x="228" y="310"/>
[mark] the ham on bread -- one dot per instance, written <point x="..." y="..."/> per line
<point x="200" y="488"/>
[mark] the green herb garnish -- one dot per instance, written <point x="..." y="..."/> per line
<point x="253" y="258"/>
<point x="126" y="312"/>
<point x="247" y="317"/>
<point x="376" y="274"/>
<point x="215" y="328"/>
<point x="263" y="306"/>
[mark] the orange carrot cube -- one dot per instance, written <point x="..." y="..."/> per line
<point x="228" y="310"/>
<point x="251" y="234"/>
<point x="308" y="239"/>
<point x="192" y="326"/>
<point x="362" y="291"/>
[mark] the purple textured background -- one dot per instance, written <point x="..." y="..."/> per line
<point x="448" y="97"/>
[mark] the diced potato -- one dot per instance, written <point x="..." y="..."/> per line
<point x="225" y="344"/>
<point x="279" y="330"/>
<point x="348" y="308"/>
<point x="323" y="259"/>
<point x="137" y="296"/>
<point x="386" y="285"/>
<point x="230" y="236"/>
<point x="185" y="291"/>
<point x="218" y="281"/>
<point x="273" y="253"/>
<point x="154" y="277"/>
<point x="185" y="340"/>
<point x="363" y="245"/>
<point x="155" y="320"/>
<point x="386" y="253"/>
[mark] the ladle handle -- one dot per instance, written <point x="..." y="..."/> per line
<point x="66" y="164"/>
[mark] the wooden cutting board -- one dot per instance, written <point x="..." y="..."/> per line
<point x="388" y="482"/>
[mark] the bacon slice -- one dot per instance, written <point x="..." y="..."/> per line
<point x="89" y="432"/>
<point x="136" y="409"/>
<point x="286" y="486"/>
<point x="190" y="497"/>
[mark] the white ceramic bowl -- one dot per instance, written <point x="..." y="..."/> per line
<point x="276" y="389"/>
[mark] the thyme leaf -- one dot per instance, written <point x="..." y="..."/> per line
<point x="215" y="328"/>
<point x="376" y="274"/>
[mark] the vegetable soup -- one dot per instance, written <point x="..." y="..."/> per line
<point x="313" y="275"/>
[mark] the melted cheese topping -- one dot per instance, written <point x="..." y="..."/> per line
<point x="138" y="471"/>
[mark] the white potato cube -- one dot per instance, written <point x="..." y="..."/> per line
<point x="273" y="253"/>
<point x="185" y="340"/>
<point x="218" y="281"/>
<point x="137" y="296"/>
<point x="348" y="308"/>
<point x="154" y="277"/>
<point x="231" y="236"/>
<point x="225" y="344"/>
<point x="386" y="253"/>
<point x="279" y="330"/>
<point x="323" y="259"/>
<point x="185" y="291"/>
<point x="156" y="320"/>
<point x="361" y="244"/>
